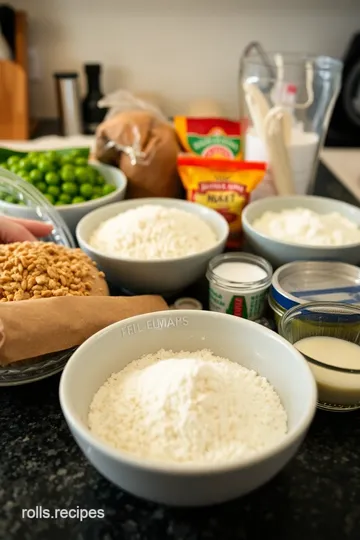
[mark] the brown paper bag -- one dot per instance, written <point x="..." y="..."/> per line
<point x="157" y="176"/>
<point x="30" y="328"/>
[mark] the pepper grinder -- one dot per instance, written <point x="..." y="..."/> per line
<point x="92" y="114"/>
<point x="68" y="101"/>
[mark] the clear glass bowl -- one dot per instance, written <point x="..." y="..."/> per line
<point x="338" y="386"/>
<point x="27" y="195"/>
<point x="33" y="369"/>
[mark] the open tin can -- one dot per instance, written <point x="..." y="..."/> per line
<point x="313" y="281"/>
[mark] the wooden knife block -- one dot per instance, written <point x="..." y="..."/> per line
<point x="14" y="87"/>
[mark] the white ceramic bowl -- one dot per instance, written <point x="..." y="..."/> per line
<point x="72" y="213"/>
<point x="164" y="277"/>
<point x="279" y="253"/>
<point x="242" y="341"/>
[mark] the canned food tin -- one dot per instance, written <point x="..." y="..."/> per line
<point x="315" y="281"/>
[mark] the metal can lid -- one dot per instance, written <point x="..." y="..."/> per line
<point x="187" y="303"/>
<point x="311" y="281"/>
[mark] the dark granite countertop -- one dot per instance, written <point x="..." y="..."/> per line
<point x="316" y="497"/>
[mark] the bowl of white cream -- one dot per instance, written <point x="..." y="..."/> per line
<point x="328" y="335"/>
<point x="187" y="407"/>
<point x="284" y="229"/>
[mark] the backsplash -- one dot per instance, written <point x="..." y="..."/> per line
<point x="180" y="50"/>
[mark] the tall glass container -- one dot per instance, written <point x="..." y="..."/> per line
<point x="306" y="87"/>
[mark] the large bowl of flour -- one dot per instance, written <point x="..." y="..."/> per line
<point x="188" y="407"/>
<point x="153" y="245"/>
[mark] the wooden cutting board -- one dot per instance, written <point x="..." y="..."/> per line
<point x="13" y="101"/>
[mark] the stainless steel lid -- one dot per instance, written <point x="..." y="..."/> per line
<point x="312" y="281"/>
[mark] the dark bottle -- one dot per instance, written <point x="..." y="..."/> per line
<point x="92" y="114"/>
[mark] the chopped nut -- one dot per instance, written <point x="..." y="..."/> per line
<point x="32" y="270"/>
<point x="52" y="284"/>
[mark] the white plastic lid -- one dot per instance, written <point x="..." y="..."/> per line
<point x="37" y="207"/>
<point x="187" y="303"/>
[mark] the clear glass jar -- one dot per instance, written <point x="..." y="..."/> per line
<point x="240" y="297"/>
<point x="307" y="88"/>
<point x="338" y="385"/>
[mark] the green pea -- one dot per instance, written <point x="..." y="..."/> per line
<point x="35" y="176"/>
<point x="81" y="162"/>
<point x="100" y="180"/>
<point x="69" y="188"/>
<point x="52" y="178"/>
<point x="64" y="198"/>
<point x="86" y="190"/>
<point x="41" y="186"/>
<point x="50" y="198"/>
<point x="78" y="200"/>
<point x="67" y="173"/>
<point x="51" y="156"/>
<point x="54" y="191"/>
<point x="4" y="165"/>
<point x="26" y="164"/>
<point x="12" y="160"/>
<point x="45" y="166"/>
<point x="74" y="154"/>
<point x="82" y="174"/>
<point x="108" y="188"/>
<point x="92" y="175"/>
<point x="66" y="160"/>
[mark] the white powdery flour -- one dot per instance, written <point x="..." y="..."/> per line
<point x="303" y="226"/>
<point x="153" y="232"/>
<point x="187" y="408"/>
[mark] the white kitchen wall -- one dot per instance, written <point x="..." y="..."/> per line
<point x="182" y="49"/>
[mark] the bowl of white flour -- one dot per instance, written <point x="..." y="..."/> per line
<point x="188" y="408"/>
<point x="153" y="245"/>
<point x="303" y="228"/>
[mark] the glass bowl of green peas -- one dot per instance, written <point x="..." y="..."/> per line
<point x="66" y="178"/>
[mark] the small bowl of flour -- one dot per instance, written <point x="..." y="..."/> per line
<point x="153" y="245"/>
<point x="284" y="229"/>
<point x="188" y="398"/>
